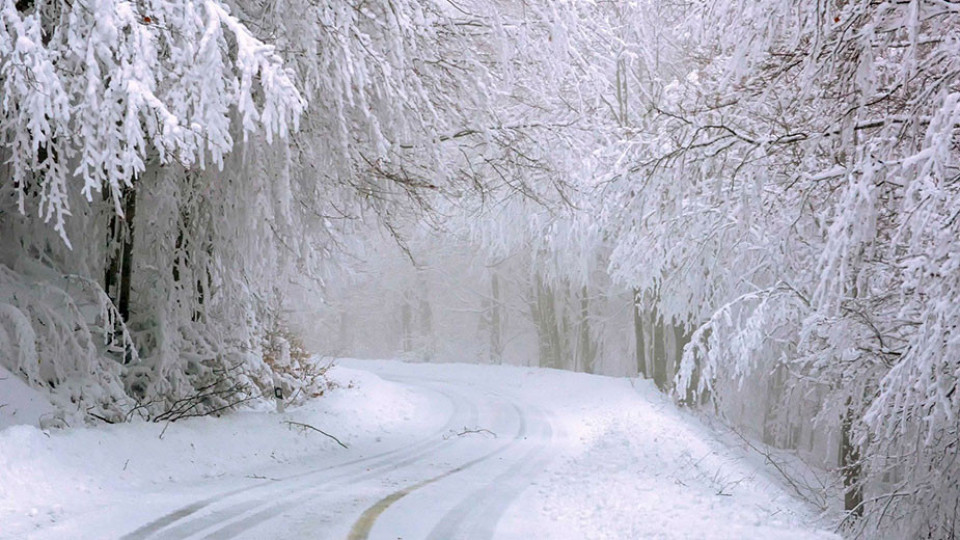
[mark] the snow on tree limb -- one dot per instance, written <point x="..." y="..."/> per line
<point x="87" y="100"/>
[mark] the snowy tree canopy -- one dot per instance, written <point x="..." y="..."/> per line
<point x="92" y="92"/>
<point x="750" y="202"/>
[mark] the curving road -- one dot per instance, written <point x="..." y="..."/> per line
<point x="438" y="452"/>
<point x="455" y="483"/>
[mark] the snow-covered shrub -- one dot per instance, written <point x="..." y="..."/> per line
<point x="59" y="334"/>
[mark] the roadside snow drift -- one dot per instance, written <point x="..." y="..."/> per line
<point x="20" y="404"/>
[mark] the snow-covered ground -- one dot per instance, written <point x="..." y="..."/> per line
<point x="434" y="451"/>
<point x="20" y="404"/>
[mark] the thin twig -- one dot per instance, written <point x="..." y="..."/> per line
<point x="468" y="431"/>
<point x="260" y="477"/>
<point x="98" y="417"/>
<point x="308" y="426"/>
<point x="804" y="491"/>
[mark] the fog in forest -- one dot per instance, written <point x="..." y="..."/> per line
<point x="745" y="212"/>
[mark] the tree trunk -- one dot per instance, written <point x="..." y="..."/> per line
<point x="346" y="333"/>
<point x="659" y="352"/>
<point x="496" y="339"/>
<point x="560" y="334"/>
<point x="118" y="271"/>
<point x="536" y="313"/>
<point x="426" y="320"/>
<point x="126" y="262"/>
<point x="548" y="331"/>
<point x="586" y="350"/>
<point x="112" y="268"/>
<point x="406" y="326"/>
<point x="641" y="356"/>
<point x="850" y="465"/>
<point x="769" y="418"/>
<point x="552" y="328"/>
<point x="680" y="340"/>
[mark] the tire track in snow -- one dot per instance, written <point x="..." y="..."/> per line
<point x="178" y="524"/>
<point x="476" y="516"/>
<point x="362" y="527"/>
<point x="247" y="522"/>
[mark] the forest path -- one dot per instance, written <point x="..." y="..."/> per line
<point x="441" y="452"/>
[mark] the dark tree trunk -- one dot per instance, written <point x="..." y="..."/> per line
<point x="111" y="269"/>
<point x="119" y="267"/>
<point x="126" y="261"/>
<point x="680" y="340"/>
<point x="113" y="261"/>
<point x="850" y="465"/>
<point x="118" y="272"/>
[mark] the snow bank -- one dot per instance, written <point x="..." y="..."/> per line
<point x="20" y="404"/>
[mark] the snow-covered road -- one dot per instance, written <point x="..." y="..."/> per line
<point x="435" y="451"/>
<point x="448" y="484"/>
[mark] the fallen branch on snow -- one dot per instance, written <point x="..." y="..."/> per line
<point x="810" y="494"/>
<point x="260" y="477"/>
<point x="101" y="418"/>
<point x="468" y="431"/>
<point x="304" y="427"/>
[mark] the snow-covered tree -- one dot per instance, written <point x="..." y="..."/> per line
<point x="789" y="173"/>
<point x="102" y="102"/>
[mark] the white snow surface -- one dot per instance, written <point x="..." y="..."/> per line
<point x="20" y="404"/>
<point x="436" y="451"/>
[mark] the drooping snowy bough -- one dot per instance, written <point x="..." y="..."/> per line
<point x="818" y="146"/>
<point x="111" y="112"/>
